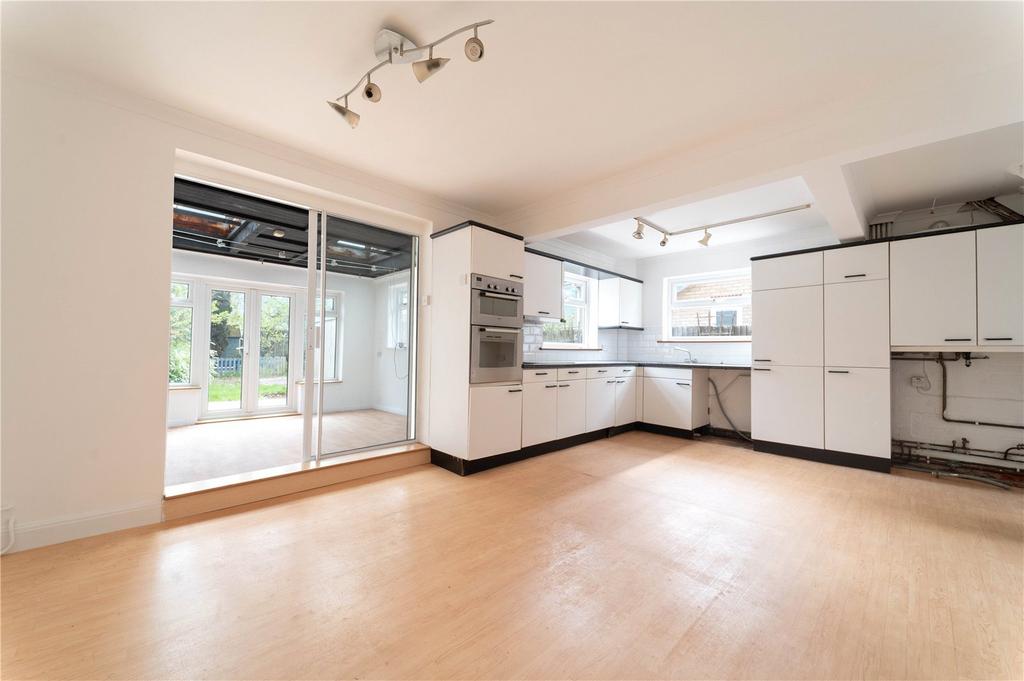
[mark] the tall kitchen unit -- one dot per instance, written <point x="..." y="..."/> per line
<point x="476" y="376"/>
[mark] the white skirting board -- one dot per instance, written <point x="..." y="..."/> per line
<point x="44" y="532"/>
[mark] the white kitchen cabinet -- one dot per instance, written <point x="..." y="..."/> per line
<point x="625" y="400"/>
<point x="572" y="408"/>
<point x="1001" y="285"/>
<point x="788" y="327"/>
<point x="857" y="263"/>
<point x="540" y="412"/>
<point x="857" y="324"/>
<point x="676" y="402"/>
<point x="600" y="403"/>
<point x="787" y="405"/>
<point x="495" y="420"/>
<point x="932" y="291"/>
<point x="496" y="255"/>
<point x="789" y="271"/>
<point x="542" y="289"/>
<point x="619" y="302"/>
<point x="857" y="411"/>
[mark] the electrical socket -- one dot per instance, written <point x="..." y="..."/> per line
<point x="920" y="382"/>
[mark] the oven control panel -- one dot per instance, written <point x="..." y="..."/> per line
<point x="484" y="283"/>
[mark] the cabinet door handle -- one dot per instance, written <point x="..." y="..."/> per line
<point x="602" y="371"/>
<point x="542" y="312"/>
<point x="626" y="371"/>
<point x="573" y="372"/>
<point x="555" y="385"/>
<point x="624" y="322"/>
<point x="613" y="381"/>
<point x="836" y="371"/>
<point x="620" y="381"/>
<point x="516" y="390"/>
<point x="1007" y="338"/>
<point x="541" y="373"/>
<point x="762" y="360"/>
<point x="516" y="276"/>
<point x="957" y="339"/>
<point x="760" y="369"/>
<point x="853" y="276"/>
<point x="563" y="385"/>
<point x="685" y="385"/>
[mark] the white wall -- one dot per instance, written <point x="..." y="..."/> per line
<point x="87" y="193"/>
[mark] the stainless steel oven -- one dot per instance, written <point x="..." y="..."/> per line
<point x="495" y="354"/>
<point x="496" y="302"/>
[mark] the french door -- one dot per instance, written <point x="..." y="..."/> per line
<point x="250" y="367"/>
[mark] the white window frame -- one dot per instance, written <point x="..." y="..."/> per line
<point x="588" y="308"/>
<point x="189" y="302"/>
<point x="669" y="304"/>
<point x="397" y="327"/>
<point x="339" y="342"/>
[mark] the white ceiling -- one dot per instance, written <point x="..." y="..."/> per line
<point x="965" y="168"/>
<point x="616" y="238"/>
<point x="567" y="95"/>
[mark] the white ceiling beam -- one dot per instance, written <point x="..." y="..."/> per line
<point x="833" y="197"/>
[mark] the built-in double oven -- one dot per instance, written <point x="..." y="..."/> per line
<point x="496" y="328"/>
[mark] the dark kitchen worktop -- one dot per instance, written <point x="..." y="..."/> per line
<point x="599" y="363"/>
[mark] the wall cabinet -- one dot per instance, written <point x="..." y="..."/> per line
<point x="804" y="269"/>
<point x="620" y="302"/>
<point x="572" y="408"/>
<point x="540" y="412"/>
<point x="857" y="418"/>
<point x="857" y="263"/>
<point x="542" y="289"/>
<point x="600" y="403"/>
<point x="1001" y="285"/>
<point x="787" y="405"/>
<point x="495" y="420"/>
<point x="857" y="324"/>
<point x="625" y="401"/>
<point x="788" y="326"/>
<point x="496" y="255"/>
<point x="932" y="291"/>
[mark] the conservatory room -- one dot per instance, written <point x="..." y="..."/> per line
<point x="239" y="405"/>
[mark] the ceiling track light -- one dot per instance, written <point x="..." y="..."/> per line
<point x="638" y="233"/>
<point x="664" y="241"/>
<point x="392" y="47"/>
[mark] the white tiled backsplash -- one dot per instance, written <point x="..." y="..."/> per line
<point x="634" y="346"/>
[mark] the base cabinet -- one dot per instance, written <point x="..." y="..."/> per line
<point x="600" y="403"/>
<point x="625" y="401"/>
<point x="668" y="402"/>
<point x="787" y="405"/>
<point x="495" y="420"/>
<point x="572" y="408"/>
<point x="857" y="411"/>
<point x="540" y="412"/>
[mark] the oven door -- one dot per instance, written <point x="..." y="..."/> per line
<point x="495" y="354"/>
<point x="496" y="309"/>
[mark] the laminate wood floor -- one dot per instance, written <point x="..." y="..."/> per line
<point x="220" y="448"/>
<point x="640" y="556"/>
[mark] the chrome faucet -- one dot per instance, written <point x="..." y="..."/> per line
<point x="689" y="355"/>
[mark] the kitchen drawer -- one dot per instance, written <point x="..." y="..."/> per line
<point x="601" y="372"/>
<point x="667" y="372"/>
<point x="787" y="272"/>
<point x="857" y="263"/>
<point x="572" y="373"/>
<point x="539" y="375"/>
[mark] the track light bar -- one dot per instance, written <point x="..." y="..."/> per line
<point x="640" y="222"/>
<point x="398" y="51"/>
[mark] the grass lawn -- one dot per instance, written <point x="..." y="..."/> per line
<point x="229" y="389"/>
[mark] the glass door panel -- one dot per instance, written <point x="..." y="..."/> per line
<point x="227" y="351"/>
<point x="275" y="340"/>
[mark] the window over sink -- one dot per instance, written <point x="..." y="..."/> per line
<point x="579" y="328"/>
<point x="708" y="305"/>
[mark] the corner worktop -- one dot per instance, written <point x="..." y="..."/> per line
<point x="612" y="363"/>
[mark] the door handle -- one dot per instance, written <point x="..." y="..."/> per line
<point x="563" y="385"/>
<point x="836" y="371"/>
<point x="620" y="381"/>
<point x="613" y="381"/>
<point x="760" y="369"/>
<point x="572" y="372"/>
<point x="555" y="385"/>
<point x="516" y="276"/>
<point x="853" y="276"/>
<point x="685" y="385"/>
<point x="602" y="371"/>
<point x="948" y="340"/>
<point x="541" y="373"/>
<point x="1007" y="338"/>
<point x="542" y="312"/>
<point x="762" y="360"/>
<point x="516" y="390"/>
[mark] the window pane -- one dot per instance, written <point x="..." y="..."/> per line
<point x="574" y="291"/>
<point x="708" y="320"/>
<point x="275" y="313"/>
<point x="180" y="291"/>
<point x="572" y="330"/>
<point x="227" y="346"/>
<point x="179" y="356"/>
